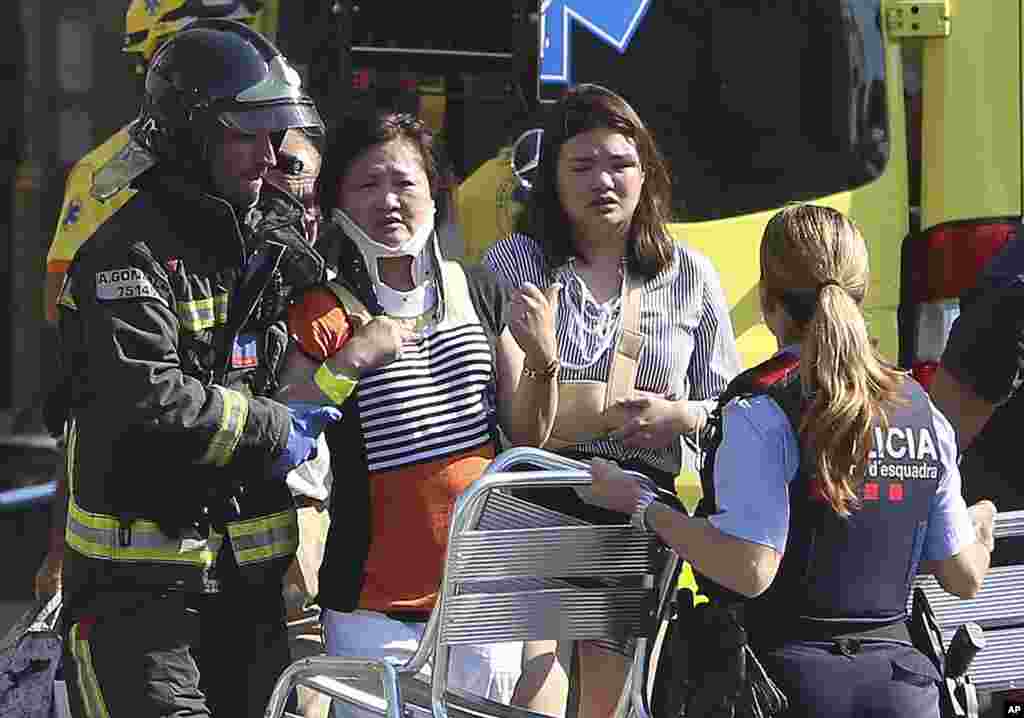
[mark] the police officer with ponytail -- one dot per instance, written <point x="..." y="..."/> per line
<point x="832" y="482"/>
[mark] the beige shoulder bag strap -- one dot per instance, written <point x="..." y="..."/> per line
<point x="583" y="406"/>
<point x="626" y="361"/>
<point x="458" y="305"/>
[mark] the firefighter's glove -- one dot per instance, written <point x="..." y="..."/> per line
<point x="308" y="422"/>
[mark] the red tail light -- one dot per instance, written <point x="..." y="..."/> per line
<point x="361" y="80"/>
<point x="938" y="266"/>
<point x="947" y="260"/>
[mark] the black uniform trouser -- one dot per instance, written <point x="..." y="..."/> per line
<point x="176" y="654"/>
<point x="872" y="678"/>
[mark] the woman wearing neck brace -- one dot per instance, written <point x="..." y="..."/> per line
<point x="427" y="360"/>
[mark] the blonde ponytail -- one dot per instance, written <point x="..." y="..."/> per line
<point x="818" y="252"/>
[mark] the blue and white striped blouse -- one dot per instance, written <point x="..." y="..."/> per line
<point x="690" y="350"/>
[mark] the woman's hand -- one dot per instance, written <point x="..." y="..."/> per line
<point x="613" y="488"/>
<point x="372" y="345"/>
<point x="653" y="423"/>
<point x="531" y="321"/>
<point x="527" y="365"/>
<point x="983" y="516"/>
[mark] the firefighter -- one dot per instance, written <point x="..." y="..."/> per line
<point x="82" y="214"/>
<point x="856" y="486"/>
<point x="180" y="524"/>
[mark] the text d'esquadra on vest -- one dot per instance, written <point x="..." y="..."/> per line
<point x="903" y="453"/>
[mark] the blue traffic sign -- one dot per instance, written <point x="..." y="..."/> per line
<point x="613" y="21"/>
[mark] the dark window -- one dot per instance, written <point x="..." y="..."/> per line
<point x="755" y="102"/>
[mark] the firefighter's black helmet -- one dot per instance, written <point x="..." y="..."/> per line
<point x="218" y="73"/>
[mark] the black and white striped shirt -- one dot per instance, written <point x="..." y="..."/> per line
<point x="689" y="353"/>
<point x="433" y="402"/>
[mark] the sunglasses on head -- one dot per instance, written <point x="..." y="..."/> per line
<point x="576" y="109"/>
<point x="407" y="122"/>
<point x="526" y="156"/>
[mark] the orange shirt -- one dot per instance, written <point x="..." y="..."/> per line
<point x="411" y="509"/>
<point x="319" y="324"/>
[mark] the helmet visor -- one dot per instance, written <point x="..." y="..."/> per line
<point x="275" y="103"/>
<point x="273" y="118"/>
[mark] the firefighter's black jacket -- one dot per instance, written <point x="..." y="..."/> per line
<point x="171" y="335"/>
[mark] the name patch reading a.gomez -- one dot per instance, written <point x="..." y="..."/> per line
<point x="130" y="283"/>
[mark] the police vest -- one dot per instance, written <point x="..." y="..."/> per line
<point x="854" y="572"/>
<point x="137" y="515"/>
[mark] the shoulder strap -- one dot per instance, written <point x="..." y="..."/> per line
<point x="776" y="377"/>
<point x="348" y="300"/>
<point x="455" y="290"/>
<point x="626" y="360"/>
<point x="780" y="369"/>
<point x="788" y="394"/>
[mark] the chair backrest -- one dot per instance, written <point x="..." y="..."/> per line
<point x="517" y="571"/>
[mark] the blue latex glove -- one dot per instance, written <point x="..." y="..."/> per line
<point x="308" y="422"/>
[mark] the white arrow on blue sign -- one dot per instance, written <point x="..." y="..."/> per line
<point x="614" y="21"/>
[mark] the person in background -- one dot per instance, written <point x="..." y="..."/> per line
<point x="458" y="358"/>
<point x="977" y="386"/>
<point x="854" y="486"/>
<point x="488" y="203"/>
<point x="644" y="338"/>
<point x="298" y="166"/>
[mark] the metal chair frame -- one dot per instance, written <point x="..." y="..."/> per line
<point x="998" y="608"/>
<point x="500" y="542"/>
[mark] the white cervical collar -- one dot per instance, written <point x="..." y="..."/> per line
<point x="419" y="300"/>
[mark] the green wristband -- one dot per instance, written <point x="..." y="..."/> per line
<point x="335" y="387"/>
